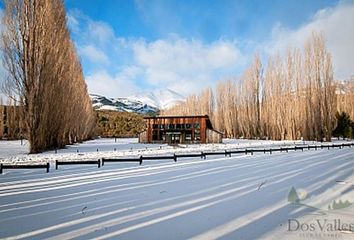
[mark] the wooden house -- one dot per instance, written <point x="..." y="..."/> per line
<point x="179" y="129"/>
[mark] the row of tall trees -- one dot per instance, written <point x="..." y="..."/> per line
<point x="45" y="74"/>
<point x="294" y="96"/>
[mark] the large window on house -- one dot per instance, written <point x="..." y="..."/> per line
<point x="162" y="135"/>
<point x="188" y="136"/>
<point x="196" y="134"/>
<point x="171" y="126"/>
<point x="155" y="136"/>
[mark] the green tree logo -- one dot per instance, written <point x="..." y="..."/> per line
<point x="339" y="205"/>
<point x="293" y="197"/>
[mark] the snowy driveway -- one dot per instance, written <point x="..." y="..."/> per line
<point x="242" y="197"/>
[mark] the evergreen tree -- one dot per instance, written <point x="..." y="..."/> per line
<point x="344" y="126"/>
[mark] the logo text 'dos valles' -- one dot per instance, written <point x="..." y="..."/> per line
<point x="320" y="225"/>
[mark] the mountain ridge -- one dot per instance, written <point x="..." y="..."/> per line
<point x="144" y="102"/>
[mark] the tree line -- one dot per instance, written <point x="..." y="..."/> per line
<point x="119" y="124"/>
<point x="45" y="76"/>
<point x="293" y="97"/>
<point x="10" y="120"/>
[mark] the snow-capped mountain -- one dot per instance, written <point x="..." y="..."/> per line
<point x="144" y="102"/>
<point x="161" y="99"/>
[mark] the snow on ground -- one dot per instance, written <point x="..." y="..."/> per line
<point x="238" y="197"/>
<point x="14" y="152"/>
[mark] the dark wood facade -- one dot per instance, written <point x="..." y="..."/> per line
<point x="179" y="129"/>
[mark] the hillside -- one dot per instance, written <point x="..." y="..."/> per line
<point x="119" y="124"/>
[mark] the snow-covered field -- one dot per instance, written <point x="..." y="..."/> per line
<point x="238" y="197"/>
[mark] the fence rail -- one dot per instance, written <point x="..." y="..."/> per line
<point x="189" y="155"/>
<point x="96" y="162"/>
<point x="140" y="160"/>
<point x="172" y="157"/>
<point x="23" y="166"/>
<point x="175" y="157"/>
<point x="229" y="153"/>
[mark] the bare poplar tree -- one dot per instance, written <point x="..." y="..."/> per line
<point x="45" y="74"/>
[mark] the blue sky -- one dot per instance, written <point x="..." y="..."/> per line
<point x="201" y="19"/>
<point x="129" y="46"/>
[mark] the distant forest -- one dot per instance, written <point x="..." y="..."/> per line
<point x="119" y="124"/>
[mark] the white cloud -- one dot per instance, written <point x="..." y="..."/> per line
<point x="72" y="22"/>
<point x="93" y="54"/>
<point x="100" y="31"/>
<point x="86" y="29"/>
<point x="338" y="26"/>
<point x="185" y="65"/>
<point x="119" y="85"/>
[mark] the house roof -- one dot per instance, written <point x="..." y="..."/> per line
<point x="208" y="122"/>
<point x="178" y="116"/>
